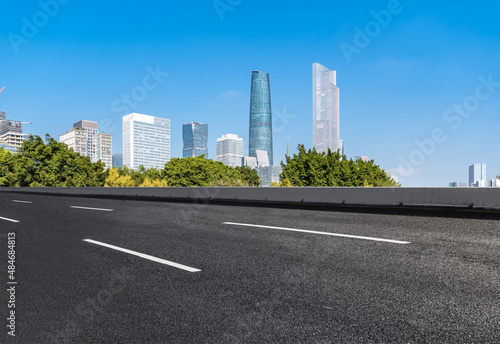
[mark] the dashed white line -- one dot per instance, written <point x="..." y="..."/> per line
<point x="18" y="201"/>
<point x="86" y="208"/>
<point x="321" y="233"/>
<point x="10" y="220"/>
<point x="145" y="256"/>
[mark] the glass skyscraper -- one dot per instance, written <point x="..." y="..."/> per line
<point x="261" y="127"/>
<point x="146" y="141"/>
<point x="477" y="173"/>
<point x="195" y="137"/>
<point x="326" y="122"/>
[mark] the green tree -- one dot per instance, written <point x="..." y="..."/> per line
<point x="248" y="175"/>
<point x="53" y="164"/>
<point x="115" y="180"/>
<point x="199" y="171"/>
<point x="7" y="175"/>
<point x="311" y="168"/>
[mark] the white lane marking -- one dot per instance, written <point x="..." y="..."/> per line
<point x="100" y="209"/>
<point x="145" y="256"/>
<point x="17" y="201"/>
<point x="321" y="233"/>
<point x="6" y="219"/>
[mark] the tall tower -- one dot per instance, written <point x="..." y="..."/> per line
<point x="261" y="123"/>
<point x="195" y="137"/>
<point x="326" y="126"/>
<point x="477" y="174"/>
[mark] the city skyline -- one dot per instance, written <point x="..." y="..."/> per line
<point x="401" y="86"/>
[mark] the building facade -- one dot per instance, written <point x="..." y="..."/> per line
<point x="104" y="149"/>
<point x="457" y="185"/>
<point x="117" y="160"/>
<point x="76" y="139"/>
<point x="11" y="133"/>
<point x="261" y="126"/>
<point x="230" y="150"/>
<point x="92" y="129"/>
<point x="477" y="175"/>
<point x="195" y="138"/>
<point x="268" y="174"/>
<point x="326" y="118"/>
<point x="146" y="141"/>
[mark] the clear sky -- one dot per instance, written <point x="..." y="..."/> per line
<point x="407" y="71"/>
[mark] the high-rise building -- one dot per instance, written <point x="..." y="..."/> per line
<point x="249" y="161"/>
<point x="146" y="141"/>
<point x="86" y="140"/>
<point x="104" y="149"/>
<point x="477" y="173"/>
<point x="230" y="150"/>
<point x="117" y="160"/>
<point x="195" y="137"/>
<point x="261" y="130"/>
<point x="262" y="158"/>
<point x="326" y="121"/>
<point x="268" y="174"/>
<point x="11" y="133"/>
<point x="91" y="128"/>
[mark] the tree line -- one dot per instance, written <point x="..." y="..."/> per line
<point x="48" y="163"/>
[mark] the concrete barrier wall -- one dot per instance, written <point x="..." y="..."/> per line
<point x="478" y="198"/>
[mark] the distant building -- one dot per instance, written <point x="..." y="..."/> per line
<point x="117" y="160"/>
<point x="362" y="158"/>
<point x="104" y="149"/>
<point x="11" y="132"/>
<point x="479" y="184"/>
<point x="262" y="158"/>
<point x="457" y="185"/>
<point x="261" y="123"/>
<point x="92" y="129"/>
<point x="477" y="173"/>
<point x="195" y="138"/>
<point x="230" y="150"/>
<point x="12" y="149"/>
<point x="146" y="141"/>
<point x="268" y="174"/>
<point x="86" y="140"/>
<point x="326" y="119"/>
<point x="249" y="161"/>
<point x="494" y="183"/>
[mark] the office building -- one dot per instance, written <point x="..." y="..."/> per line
<point x="477" y="173"/>
<point x="262" y="158"/>
<point x="261" y="130"/>
<point x="326" y="121"/>
<point x="91" y="129"/>
<point x="104" y="149"/>
<point x="230" y="150"/>
<point x="457" y="185"/>
<point x="268" y="174"/>
<point x="195" y="138"/>
<point x="362" y="158"/>
<point x="117" y="160"/>
<point x="146" y="141"/>
<point x="84" y="138"/>
<point x="11" y="133"/>
<point x="249" y="161"/>
<point x="494" y="183"/>
<point x="12" y="149"/>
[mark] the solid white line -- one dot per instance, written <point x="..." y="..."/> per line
<point x="6" y="219"/>
<point x="322" y="233"/>
<point x="17" y="201"/>
<point x="145" y="256"/>
<point x="100" y="209"/>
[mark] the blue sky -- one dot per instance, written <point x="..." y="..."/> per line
<point x="402" y="84"/>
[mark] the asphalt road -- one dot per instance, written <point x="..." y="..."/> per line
<point x="211" y="278"/>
